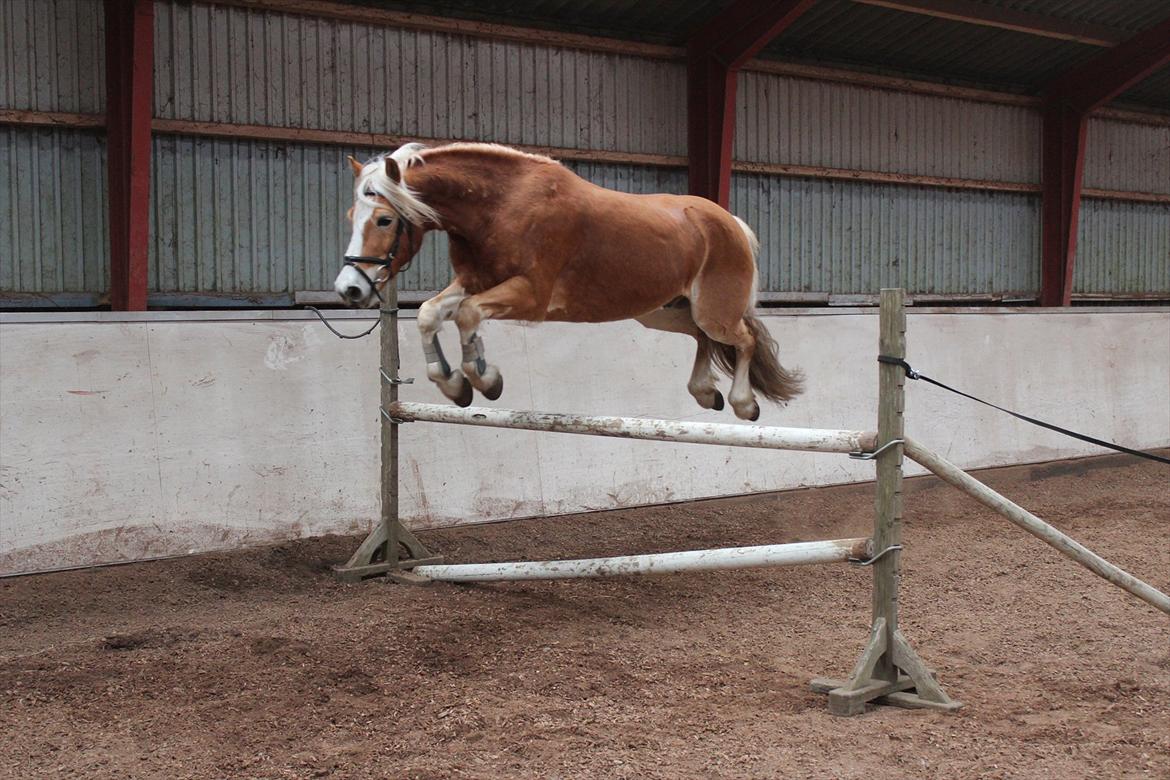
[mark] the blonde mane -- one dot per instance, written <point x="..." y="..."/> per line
<point x="478" y="146"/>
<point x="399" y="195"/>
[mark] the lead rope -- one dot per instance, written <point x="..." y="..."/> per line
<point x="384" y="262"/>
<point x="912" y="374"/>
<point x="339" y="334"/>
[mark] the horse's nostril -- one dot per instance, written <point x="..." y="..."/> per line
<point x="353" y="292"/>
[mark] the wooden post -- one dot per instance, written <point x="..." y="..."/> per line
<point x="381" y="552"/>
<point x="887" y="527"/>
<point x="888" y="671"/>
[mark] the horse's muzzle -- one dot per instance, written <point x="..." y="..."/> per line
<point x="353" y="288"/>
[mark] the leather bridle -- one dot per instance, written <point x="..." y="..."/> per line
<point x="400" y="226"/>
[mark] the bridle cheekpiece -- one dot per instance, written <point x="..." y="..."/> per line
<point x="401" y="225"/>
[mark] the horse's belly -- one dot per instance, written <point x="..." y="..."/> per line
<point x="620" y="300"/>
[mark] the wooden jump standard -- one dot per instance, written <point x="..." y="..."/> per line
<point x="888" y="671"/>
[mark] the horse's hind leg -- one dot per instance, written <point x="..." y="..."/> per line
<point x="513" y="299"/>
<point x="720" y="314"/>
<point x="431" y="316"/>
<point x="677" y="318"/>
<point x="743" y="399"/>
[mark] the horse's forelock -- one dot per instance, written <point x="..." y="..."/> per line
<point x="400" y="196"/>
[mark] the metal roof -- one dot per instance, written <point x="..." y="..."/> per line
<point x="1130" y="16"/>
<point x="856" y="35"/>
<point x="844" y="32"/>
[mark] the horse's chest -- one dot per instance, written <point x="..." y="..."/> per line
<point x="477" y="277"/>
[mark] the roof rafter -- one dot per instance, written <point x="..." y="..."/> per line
<point x="1005" y="19"/>
<point x="1109" y="74"/>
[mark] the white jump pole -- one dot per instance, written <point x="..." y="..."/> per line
<point x="760" y="556"/>
<point x="765" y="437"/>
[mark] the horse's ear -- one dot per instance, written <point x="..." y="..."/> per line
<point x="393" y="171"/>
<point x="357" y="166"/>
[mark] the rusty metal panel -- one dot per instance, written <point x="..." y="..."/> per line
<point x="52" y="55"/>
<point x="1123" y="248"/>
<point x="1127" y="156"/>
<point x="53" y="234"/>
<point x="240" y="66"/>
<point x="847" y="238"/>
<point x="805" y="122"/>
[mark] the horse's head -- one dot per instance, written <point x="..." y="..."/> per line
<point x="388" y="225"/>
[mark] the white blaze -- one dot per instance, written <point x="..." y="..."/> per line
<point x="349" y="276"/>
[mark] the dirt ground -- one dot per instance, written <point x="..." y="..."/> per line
<point x="258" y="664"/>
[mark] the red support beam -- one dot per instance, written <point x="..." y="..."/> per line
<point x="129" y="110"/>
<point x="1067" y="103"/>
<point x="714" y="57"/>
<point x="1063" y="165"/>
<point x="710" y="127"/>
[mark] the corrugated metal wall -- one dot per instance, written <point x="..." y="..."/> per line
<point x="253" y="217"/>
<point x="849" y="238"/>
<point x="1122" y="248"/>
<point x="1127" y="156"/>
<point x="285" y="202"/>
<point x="53" y="196"/>
<point x="802" y="122"/>
<point x="232" y="65"/>
<point x="238" y="215"/>
<point x="262" y="217"/>
<point x="52" y="55"/>
<point x="52" y="211"/>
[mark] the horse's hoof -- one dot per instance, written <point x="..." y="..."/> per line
<point x="497" y="388"/>
<point x="717" y="404"/>
<point x="464" y="397"/>
<point x="749" y="412"/>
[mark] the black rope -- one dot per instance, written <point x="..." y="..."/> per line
<point x="912" y="374"/>
<point x="338" y="333"/>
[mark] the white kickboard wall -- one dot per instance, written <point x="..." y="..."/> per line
<point x="128" y="437"/>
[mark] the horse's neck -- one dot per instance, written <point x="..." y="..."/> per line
<point x="464" y="189"/>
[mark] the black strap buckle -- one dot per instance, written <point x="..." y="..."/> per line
<point x="895" y="361"/>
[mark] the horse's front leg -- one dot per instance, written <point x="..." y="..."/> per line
<point x="513" y="299"/>
<point x="431" y="316"/>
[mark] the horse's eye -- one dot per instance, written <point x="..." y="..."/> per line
<point x="384" y="221"/>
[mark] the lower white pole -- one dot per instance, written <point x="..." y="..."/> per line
<point x="832" y="551"/>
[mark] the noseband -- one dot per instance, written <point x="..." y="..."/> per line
<point x="400" y="226"/>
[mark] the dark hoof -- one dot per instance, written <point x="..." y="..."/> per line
<point x="717" y="404"/>
<point x="494" y="392"/>
<point x="755" y="415"/>
<point x="465" y="396"/>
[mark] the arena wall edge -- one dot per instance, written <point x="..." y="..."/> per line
<point x="134" y="437"/>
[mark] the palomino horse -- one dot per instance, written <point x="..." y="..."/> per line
<point x="530" y="240"/>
